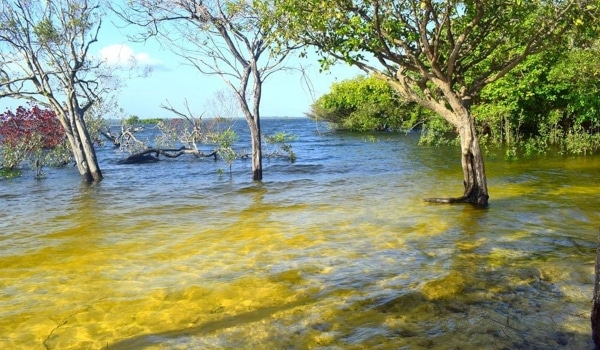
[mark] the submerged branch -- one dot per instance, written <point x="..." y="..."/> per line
<point x="112" y="138"/>
<point x="449" y="200"/>
<point x="146" y="156"/>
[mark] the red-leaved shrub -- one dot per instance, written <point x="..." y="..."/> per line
<point x="27" y="124"/>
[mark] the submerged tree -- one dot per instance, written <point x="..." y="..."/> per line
<point x="217" y="37"/>
<point x="439" y="54"/>
<point x="44" y="53"/>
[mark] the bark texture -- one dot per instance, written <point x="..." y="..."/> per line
<point x="473" y="167"/>
<point x="257" y="174"/>
<point x="81" y="144"/>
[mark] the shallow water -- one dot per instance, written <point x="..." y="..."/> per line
<point x="336" y="251"/>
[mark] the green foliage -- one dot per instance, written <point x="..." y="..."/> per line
<point x="6" y="173"/>
<point x="46" y="32"/>
<point x="364" y="104"/>
<point x="132" y="120"/>
<point x="150" y="121"/>
<point x="549" y="100"/>
<point x="14" y="154"/>
<point x="281" y="142"/>
<point x="436" y="132"/>
<point x="225" y="141"/>
<point x="580" y="142"/>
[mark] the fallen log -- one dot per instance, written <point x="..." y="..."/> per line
<point x="139" y="159"/>
<point x="146" y="156"/>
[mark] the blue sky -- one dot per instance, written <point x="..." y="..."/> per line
<point x="171" y="81"/>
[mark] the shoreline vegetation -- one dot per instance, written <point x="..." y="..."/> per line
<point x="520" y="124"/>
<point x="500" y="140"/>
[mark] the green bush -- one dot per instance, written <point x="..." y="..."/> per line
<point x="364" y="104"/>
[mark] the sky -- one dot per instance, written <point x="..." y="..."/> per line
<point x="172" y="82"/>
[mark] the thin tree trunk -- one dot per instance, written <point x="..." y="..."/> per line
<point x="77" y="149"/>
<point x="86" y="163"/>
<point x="256" y="150"/>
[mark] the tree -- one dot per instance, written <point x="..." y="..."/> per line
<point x="217" y="37"/>
<point x="365" y="104"/>
<point x="439" y="54"/>
<point x="28" y="133"/>
<point x="44" y="52"/>
<point x="548" y="99"/>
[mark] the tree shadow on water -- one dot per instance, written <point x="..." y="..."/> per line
<point x="148" y="340"/>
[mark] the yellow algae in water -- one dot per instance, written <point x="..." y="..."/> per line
<point x="432" y="228"/>
<point x="573" y="190"/>
<point x="469" y="245"/>
<point x="292" y="277"/>
<point x="499" y="257"/>
<point x="449" y="286"/>
<point x="511" y="190"/>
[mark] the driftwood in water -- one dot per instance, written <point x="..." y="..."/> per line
<point x="596" y="302"/>
<point x="139" y="159"/>
<point x="146" y="156"/>
<point x="114" y="139"/>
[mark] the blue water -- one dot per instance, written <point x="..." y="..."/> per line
<point x="334" y="251"/>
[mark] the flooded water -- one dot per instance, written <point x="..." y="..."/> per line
<point x="336" y="251"/>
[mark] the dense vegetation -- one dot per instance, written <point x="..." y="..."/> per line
<point x="31" y="135"/>
<point x="364" y="104"/>
<point x="549" y="102"/>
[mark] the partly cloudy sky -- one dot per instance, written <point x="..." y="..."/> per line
<point x="152" y="76"/>
<point x="123" y="55"/>
<point x="173" y="83"/>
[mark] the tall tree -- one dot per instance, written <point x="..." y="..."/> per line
<point x="439" y="54"/>
<point x="44" y="53"/>
<point x="217" y="37"/>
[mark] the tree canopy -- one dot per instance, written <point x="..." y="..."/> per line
<point x="434" y="52"/>
<point x="439" y="54"/>
<point x="45" y="58"/>
<point x="365" y="103"/>
<point x="218" y="37"/>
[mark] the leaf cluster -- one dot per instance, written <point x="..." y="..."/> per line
<point x="548" y="96"/>
<point x="365" y="103"/>
<point x="32" y="133"/>
<point x="439" y="54"/>
<point x="24" y="125"/>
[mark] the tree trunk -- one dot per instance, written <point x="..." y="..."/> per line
<point x="474" y="177"/>
<point x="256" y="149"/>
<point x="475" y="182"/>
<point x="94" y="174"/>
<point x="77" y="149"/>
<point x="81" y="146"/>
<point x="596" y="301"/>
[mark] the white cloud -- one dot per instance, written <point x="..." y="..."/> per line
<point x="123" y="55"/>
